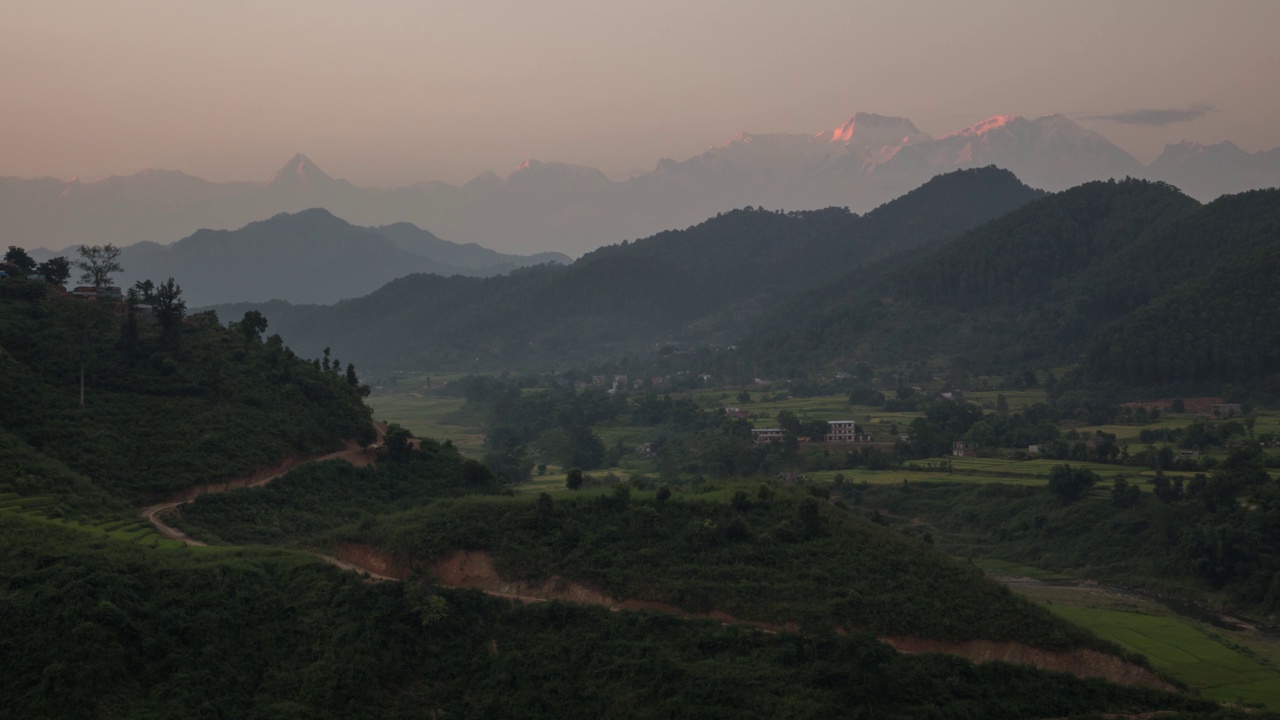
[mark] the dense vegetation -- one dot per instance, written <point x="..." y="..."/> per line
<point x="766" y="556"/>
<point x="1217" y="329"/>
<point x="95" y="629"/>
<point x="1035" y="287"/>
<point x="166" y="404"/>
<point x="700" y="284"/>
<point x="1207" y="535"/>
<point x="320" y="496"/>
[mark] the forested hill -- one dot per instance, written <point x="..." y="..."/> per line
<point x="700" y="284"/>
<point x="309" y="257"/>
<point x="1221" y="328"/>
<point x="167" y="402"/>
<point x="1032" y="288"/>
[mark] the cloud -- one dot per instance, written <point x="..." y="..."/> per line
<point x="1156" y="117"/>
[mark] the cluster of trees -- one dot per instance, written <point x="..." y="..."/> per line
<point x="142" y="632"/>
<point x="1211" y="532"/>
<point x="142" y="406"/>
<point x="769" y="554"/>
<point x="1153" y="288"/>
<point x="1207" y="332"/>
<point x="303" y="507"/>
<point x="17" y="262"/>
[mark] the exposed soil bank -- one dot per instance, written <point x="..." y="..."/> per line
<point x="474" y="569"/>
<point x="1080" y="662"/>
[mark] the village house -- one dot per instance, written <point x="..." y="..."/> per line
<point x="764" y="436"/>
<point x="106" y="293"/>
<point x="737" y="413"/>
<point x="1035" y="449"/>
<point x="1228" y="410"/>
<point x="961" y="448"/>
<point x="845" y="431"/>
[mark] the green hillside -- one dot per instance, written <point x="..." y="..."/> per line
<point x="1220" y="328"/>
<point x="704" y="283"/>
<point x="1032" y="288"/>
<point x="95" y="630"/>
<point x="162" y="409"/>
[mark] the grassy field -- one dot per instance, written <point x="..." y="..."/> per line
<point x="986" y="470"/>
<point x="1018" y="400"/>
<point x="1223" y="665"/>
<point x="441" y="418"/>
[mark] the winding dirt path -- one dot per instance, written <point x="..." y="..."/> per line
<point x="475" y="570"/>
<point x="351" y="452"/>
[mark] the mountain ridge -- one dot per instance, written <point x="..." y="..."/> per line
<point x="860" y="164"/>
<point x="311" y="256"/>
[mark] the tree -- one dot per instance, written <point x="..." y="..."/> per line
<point x="788" y="421"/>
<point x="399" y="442"/>
<point x="1123" y="494"/>
<point x="55" y="270"/>
<point x="170" y="308"/>
<point x="809" y="519"/>
<point x="20" y="259"/>
<point x="1071" y="484"/>
<point x="573" y="480"/>
<point x="144" y="291"/>
<point x="815" y="430"/>
<point x="1002" y="404"/>
<point x="97" y="262"/>
<point x="252" y="326"/>
<point x="663" y="495"/>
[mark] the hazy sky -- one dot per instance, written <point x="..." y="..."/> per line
<point x="386" y="92"/>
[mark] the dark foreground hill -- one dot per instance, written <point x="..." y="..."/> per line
<point x="705" y="283"/>
<point x="140" y="632"/>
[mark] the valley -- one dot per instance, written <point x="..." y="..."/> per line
<point x="764" y="448"/>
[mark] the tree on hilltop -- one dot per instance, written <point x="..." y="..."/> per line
<point x="55" y="270"/>
<point x="19" y="258"/>
<point x="97" y="262"/>
<point x="170" y="308"/>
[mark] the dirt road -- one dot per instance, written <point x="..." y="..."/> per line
<point x="351" y="452"/>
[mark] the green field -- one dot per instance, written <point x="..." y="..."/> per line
<point x="127" y="529"/>
<point x="1223" y="665"/>
<point x="1018" y="400"/>
<point x="441" y="418"/>
<point x="984" y="470"/>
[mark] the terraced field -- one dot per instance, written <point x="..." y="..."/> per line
<point x="42" y="509"/>
<point x="1223" y="666"/>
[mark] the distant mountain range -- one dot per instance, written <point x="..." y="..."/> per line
<point x="861" y="164"/>
<point x="1132" y="279"/>
<point x="709" y="282"/>
<point x="305" y="257"/>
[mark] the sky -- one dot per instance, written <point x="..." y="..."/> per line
<point x="390" y="92"/>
